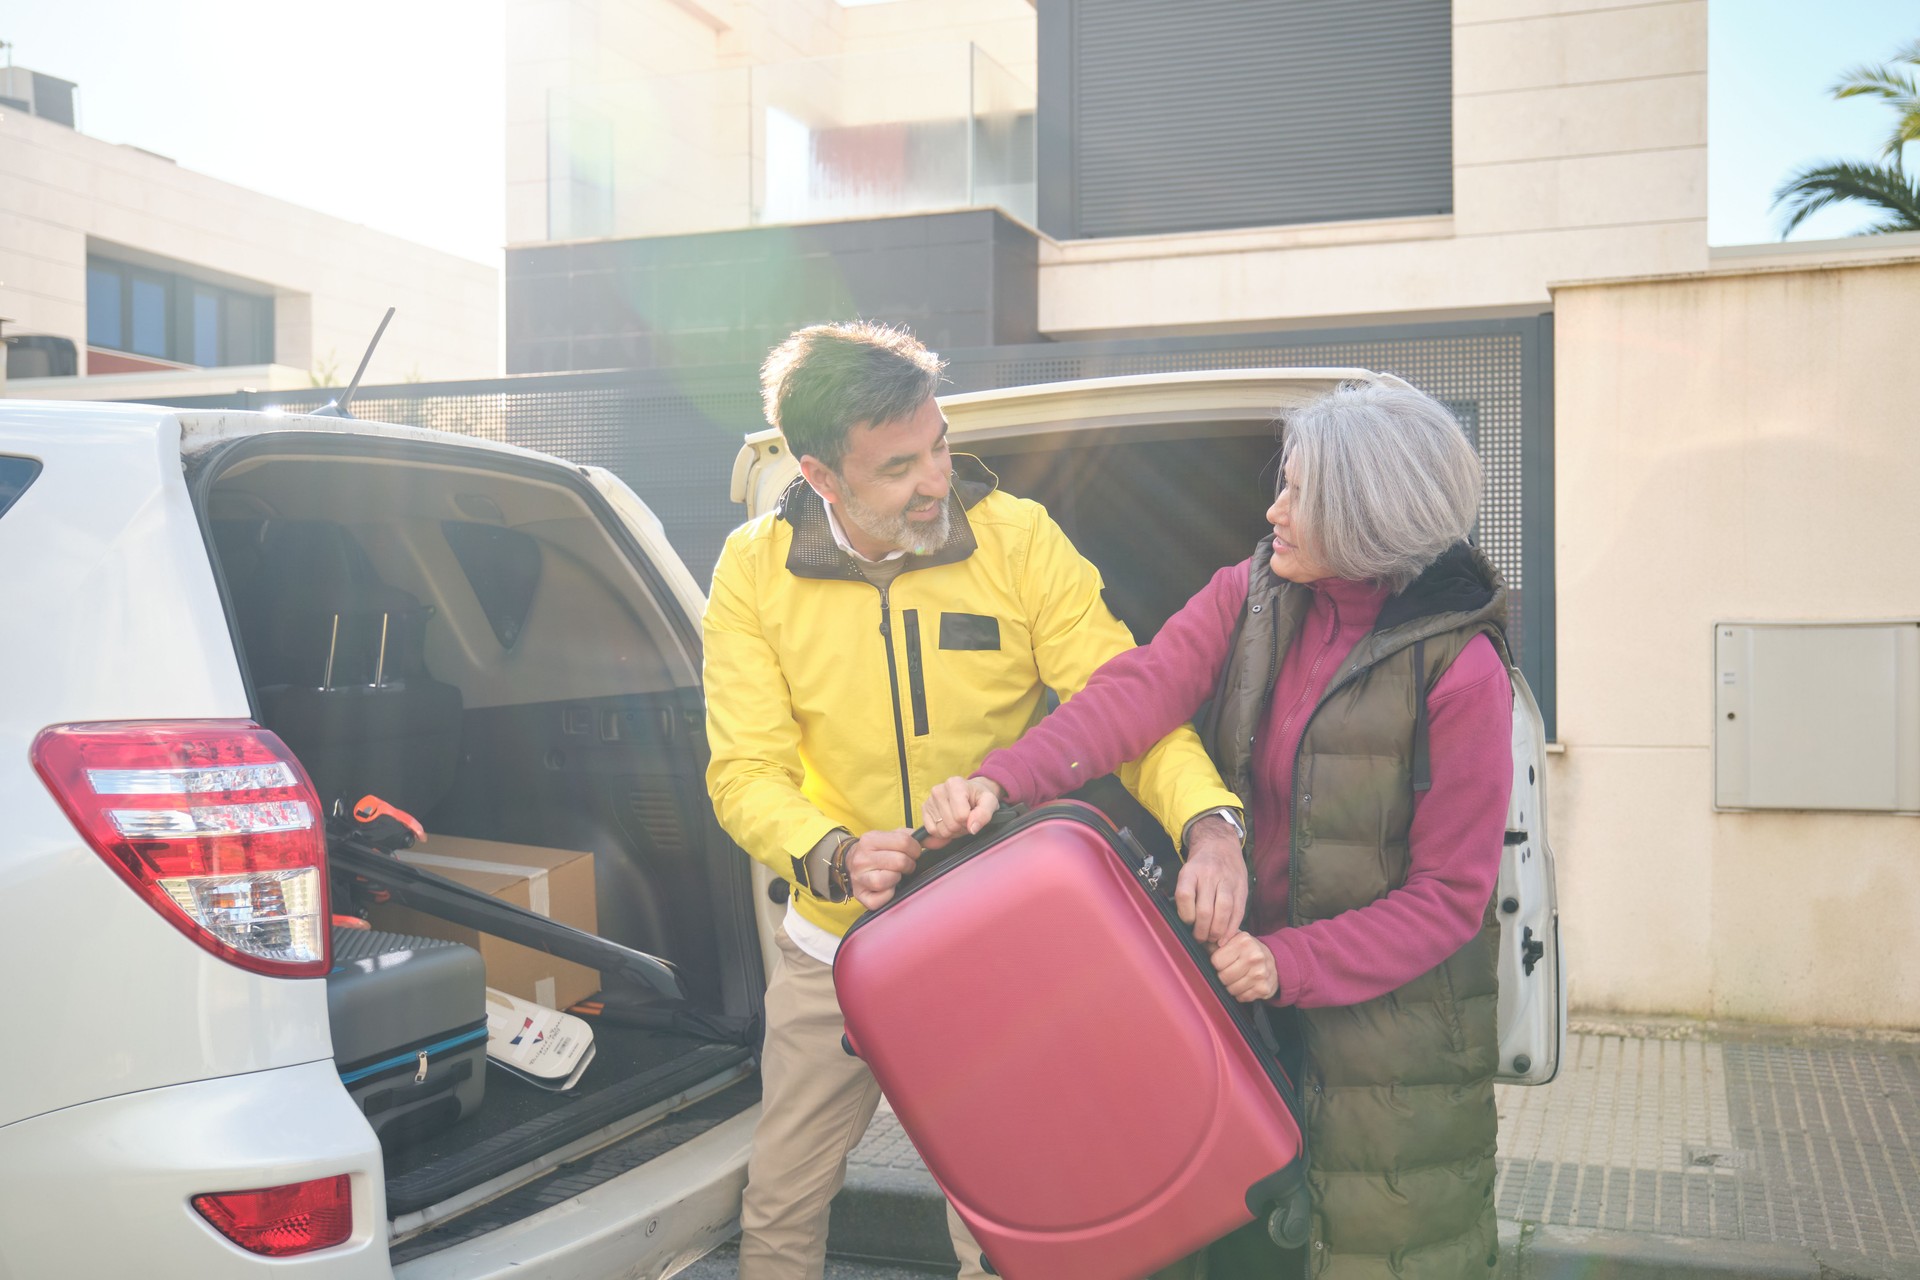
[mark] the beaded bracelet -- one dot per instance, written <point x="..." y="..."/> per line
<point x="839" y="882"/>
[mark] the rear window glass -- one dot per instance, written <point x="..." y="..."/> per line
<point x="15" y="475"/>
<point x="503" y="567"/>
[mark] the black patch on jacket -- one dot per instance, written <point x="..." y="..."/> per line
<point x="969" y="631"/>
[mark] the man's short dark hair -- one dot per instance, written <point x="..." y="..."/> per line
<point x="826" y="379"/>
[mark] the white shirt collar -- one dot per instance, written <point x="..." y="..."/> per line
<point x="840" y="539"/>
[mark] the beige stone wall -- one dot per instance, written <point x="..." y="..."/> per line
<point x="1579" y="151"/>
<point x="1740" y="444"/>
<point x="332" y="279"/>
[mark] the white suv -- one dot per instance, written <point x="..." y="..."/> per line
<point x="169" y="1102"/>
<point x="216" y="625"/>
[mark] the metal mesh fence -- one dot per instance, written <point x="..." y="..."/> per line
<point x="1479" y="375"/>
<point x="672" y="434"/>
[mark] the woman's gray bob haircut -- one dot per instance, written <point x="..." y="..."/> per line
<point x="1387" y="481"/>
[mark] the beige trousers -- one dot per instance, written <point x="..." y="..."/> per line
<point x="816" y="1101"/>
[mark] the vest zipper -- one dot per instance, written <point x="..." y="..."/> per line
<point x="1293" y="814"/>
<point x="893" y="687"/>
<point x="1293" y="818"/>
<point x="1246" y="812"/>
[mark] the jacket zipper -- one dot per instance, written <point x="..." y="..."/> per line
<point x="893" y="687"/>
<point x="916" y="678"/>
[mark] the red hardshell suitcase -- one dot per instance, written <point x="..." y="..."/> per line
<point x="1055" y="1044"/>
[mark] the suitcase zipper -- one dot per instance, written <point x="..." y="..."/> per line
<point x="414" y="1058"/>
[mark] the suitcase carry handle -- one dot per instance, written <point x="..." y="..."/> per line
<point x="1002" y="817"/>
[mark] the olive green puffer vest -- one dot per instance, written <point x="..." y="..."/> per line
<point x="1397" y="1092"/>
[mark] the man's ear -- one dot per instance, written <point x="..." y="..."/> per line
<point x="821" y="477"/>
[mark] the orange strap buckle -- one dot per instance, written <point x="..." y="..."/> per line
<point x="371" y="807"/>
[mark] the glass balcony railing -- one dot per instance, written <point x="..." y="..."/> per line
<point x="854" y="136"/>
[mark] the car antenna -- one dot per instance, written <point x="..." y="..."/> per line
<point x="338" y="408"/>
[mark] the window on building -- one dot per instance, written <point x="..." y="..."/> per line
<point x="170" y="315"/>
<point x="206" y="326"/>
<point x="103" y="307"/>
<point x="147" y="312"/>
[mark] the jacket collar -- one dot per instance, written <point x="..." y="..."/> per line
<point x="1460" y="587"/>
<point x="814" y="553"/>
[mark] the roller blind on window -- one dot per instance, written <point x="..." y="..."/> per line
<point x="1232" y="113"/>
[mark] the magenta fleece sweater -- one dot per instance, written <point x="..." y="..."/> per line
<point x="1457" y="826"/>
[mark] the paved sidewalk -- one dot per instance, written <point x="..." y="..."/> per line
<point x="1666" y="1148"/>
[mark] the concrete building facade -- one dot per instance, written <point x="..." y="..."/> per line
<point x="1715" y="437"/>
<point x="169" y="282"/>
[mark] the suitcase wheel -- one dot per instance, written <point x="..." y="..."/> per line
<point x="846" y="1043"/>
<point x="1291" y="1222"/>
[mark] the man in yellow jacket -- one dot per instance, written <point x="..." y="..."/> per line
<point x="889" y="623"/>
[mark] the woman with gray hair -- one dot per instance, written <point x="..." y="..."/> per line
<point x="1353" y="676"/>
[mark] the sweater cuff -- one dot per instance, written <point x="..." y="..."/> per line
<point x="1005" y="771"/>
<point x="1289" y="966"/>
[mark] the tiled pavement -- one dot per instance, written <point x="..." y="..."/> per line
<point x="1721" y="1149"/>
<point x="1811" y="1144"/>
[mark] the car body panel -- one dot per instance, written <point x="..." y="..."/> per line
<point x="106" y="1188"/>
<point x="105" y="549"/>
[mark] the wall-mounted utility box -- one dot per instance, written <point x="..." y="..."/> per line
<point x="1817" y="716"/>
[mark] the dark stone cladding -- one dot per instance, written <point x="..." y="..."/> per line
<point x="966" y="279"/>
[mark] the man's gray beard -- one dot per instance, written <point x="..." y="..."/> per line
<point x="895" y="530"/>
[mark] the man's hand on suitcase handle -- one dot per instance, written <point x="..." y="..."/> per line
<point x="876" y="863"/>
<point x="1211" y="894"/>
<point x="959" y="807"/>
<point x="1246" y="968"/>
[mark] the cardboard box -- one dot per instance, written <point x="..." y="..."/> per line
<point x="556" y="883"/>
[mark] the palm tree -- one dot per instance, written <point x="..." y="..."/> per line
<point x="1894" y="87"/>
<point x="1885" y="186"/>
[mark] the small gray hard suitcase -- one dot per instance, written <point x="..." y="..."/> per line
<point x="409" y="1022"/>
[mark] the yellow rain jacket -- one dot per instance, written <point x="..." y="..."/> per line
<point x="833" y="704"/>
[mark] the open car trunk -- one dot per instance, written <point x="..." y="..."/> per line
<point x="1158" y="516"/>
<point x="478" y="640"/>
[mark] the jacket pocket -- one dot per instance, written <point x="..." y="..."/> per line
<point x="969" y="631"/>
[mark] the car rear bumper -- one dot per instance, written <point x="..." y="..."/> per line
<point x="106" y="1188"/>
<point x="644" y="1224"/>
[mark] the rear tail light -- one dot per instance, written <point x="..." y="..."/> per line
<point x="213" y="822"/>
<point x="280" y="1221"/>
